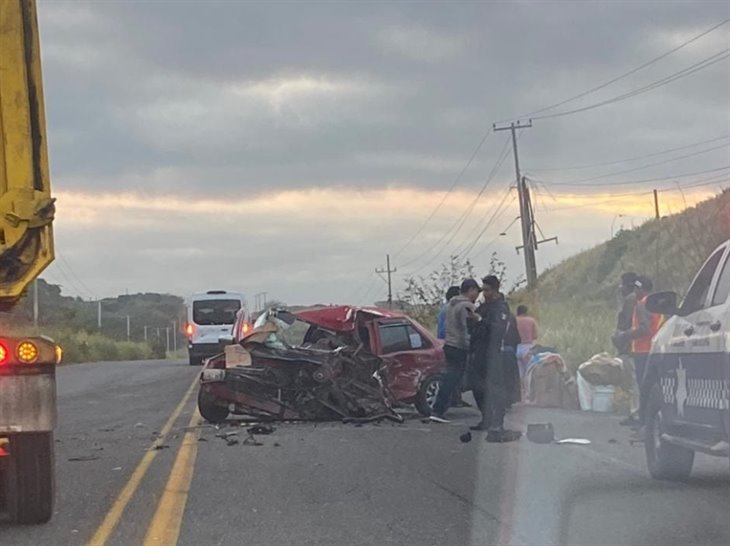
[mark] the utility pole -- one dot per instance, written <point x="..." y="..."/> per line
<point x="145" y="332"/>
<point x="98" y="314"/>
<point x="656" y="204"/>
<point x="174" y="335"/>
<point x="35" y="303"/>
<point x="388" y="271"/>
<point x="128" y="329"/>
<point x="264" y="294"/>
<point x="528" y="242"/>
<point x="167" y="339"/>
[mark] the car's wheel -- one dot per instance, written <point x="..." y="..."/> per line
<point x="31" y="478"/>
<point x="665" y="461"/>
<point x="196" y="360"/>
<point x="427" y="393"/>
<point x="211" y="412"/>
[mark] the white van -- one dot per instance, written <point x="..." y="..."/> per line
<point x="211" y="315"/>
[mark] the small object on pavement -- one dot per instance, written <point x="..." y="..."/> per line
<point x="226" y="435"/>
<point x="541" y="433"/>
<point x="158" y="447"/>
<point x="231" y="442"/>
<point x="438" y="419"/>
<point x="479" y="426"/>
<point x="252" y="441"/>
<point x="83" y="458"/>
<point x="575" y="441"/>
<point x="260" y="429"/>
<point x="630" y="421"/>
<point x="612" y="441"/>
<point x="465" y="438"/>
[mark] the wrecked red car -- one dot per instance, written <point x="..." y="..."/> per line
<point x="348" y="363"/>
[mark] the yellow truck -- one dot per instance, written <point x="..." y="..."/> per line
<point x="27" y="364"/>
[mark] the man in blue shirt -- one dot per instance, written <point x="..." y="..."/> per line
<point x="441" y="318"/>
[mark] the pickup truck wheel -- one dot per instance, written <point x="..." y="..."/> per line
<point x="427" y="394"/>
<point x="31" y="478"/>
<point x="210" y="411"/>
<point x="665" y="461"/>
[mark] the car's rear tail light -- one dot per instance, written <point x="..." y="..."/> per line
<point x="59" y="354"/>
<point x="4" y="353"/>
<point x="189" y="329"/>
<point x="27" y="352"/>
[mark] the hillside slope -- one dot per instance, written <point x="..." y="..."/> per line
<point x="669" y="250"/>
<point x="575" y="301"/>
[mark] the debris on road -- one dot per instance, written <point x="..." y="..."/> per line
<point x="260" y="429"/>
<point x="83" y="458"/>
<point x="252" y="441"/>
<point x="465" y="438"/>
<point x="541" y="433"/>
<point x="159" y="447"/>
<point x="574" y="441"/>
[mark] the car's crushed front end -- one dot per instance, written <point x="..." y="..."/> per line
<point x="265" y="378"/>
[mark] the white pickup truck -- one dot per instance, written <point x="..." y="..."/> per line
<point x="688" y="372"/>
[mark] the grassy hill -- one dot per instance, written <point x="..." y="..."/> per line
<point x="576" y="300"/>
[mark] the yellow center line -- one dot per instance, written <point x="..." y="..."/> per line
<point x="104" y="531"/>
<point x="164" y="528"/>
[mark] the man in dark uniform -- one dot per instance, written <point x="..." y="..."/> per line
<point x="488" y="370"/>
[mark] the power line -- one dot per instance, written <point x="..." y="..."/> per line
<point x="640" y="181"/>
<point x="83" y="285"/>
<point x="704" y="63"/>
<point x="630" y="72"/>
<point x="446" y="195"/>
<point x="491" y="220"/>
<point x="649" y="165"/>
<point x="456" y="227"/>
<point x="630" y="159"/>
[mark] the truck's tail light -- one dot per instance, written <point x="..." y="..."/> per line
<point x="245" y="328"/>
<point x="27" y="352"/>
<point x="4" y="354"/>
<point x="189" y="329"/>
<point x="59" y="354"/>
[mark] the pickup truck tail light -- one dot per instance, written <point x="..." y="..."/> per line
<point x="4" y="353"/>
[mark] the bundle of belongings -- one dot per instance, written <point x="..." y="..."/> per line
<point x="601" y="370"/>
<point x="547" y="381"/>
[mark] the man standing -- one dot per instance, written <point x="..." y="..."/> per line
<point x="512" y="384"/>
<point x="488" y="369"/>
<point x="644" y="326"/>
<point x="627" y="298"/>
<point x="459" y="311"/>
<point x="441" y="318"/>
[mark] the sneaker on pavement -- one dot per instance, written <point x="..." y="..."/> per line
<point x="438" y="419"/>
<point x="499" y="436"/>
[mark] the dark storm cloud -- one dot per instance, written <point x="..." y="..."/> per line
<point x="145" y="88"/>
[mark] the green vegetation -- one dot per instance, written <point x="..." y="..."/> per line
<point x="576" y="300"/>
<point x="73" y="324"/>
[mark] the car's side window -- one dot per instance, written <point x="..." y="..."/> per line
<point x="394" y="338"/>
<point x="696" y="297"/>
<point x="416" y="339"/>
<point x="723" y="285"/>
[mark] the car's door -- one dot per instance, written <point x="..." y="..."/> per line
<point x="694" y="367"/>
<point x="410" y="352"/>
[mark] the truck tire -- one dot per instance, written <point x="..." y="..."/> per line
<point x="209" y="410"/>
<point x="31" y="478"/>
<point x="665" y="461"/>
<point x="426" y="395"/>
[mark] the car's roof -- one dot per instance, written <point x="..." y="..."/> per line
<point x="342" y="318"/>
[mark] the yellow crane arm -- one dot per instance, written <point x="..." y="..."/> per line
<point x="26" y="205"/>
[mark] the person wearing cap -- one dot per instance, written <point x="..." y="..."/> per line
<point x="459" y="312"/>
<point x="488" y="375"/>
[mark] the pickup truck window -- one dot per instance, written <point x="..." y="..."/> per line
<point x="696" y="297"/>
<point x="723" y="285"/>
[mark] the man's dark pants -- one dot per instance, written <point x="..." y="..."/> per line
<point x="488" y="388"/>
<point x="455" y="366"/>
<point x="640" y="361"/>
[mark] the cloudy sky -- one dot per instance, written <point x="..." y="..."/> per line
<point x="287" y="147"/>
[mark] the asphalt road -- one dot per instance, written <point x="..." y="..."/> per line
<point x="333" y="484"/>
